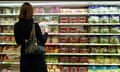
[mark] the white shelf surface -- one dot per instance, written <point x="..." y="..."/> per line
<point x="83" y="44"/>
<point x="71" y="33"/>
<point x="81" y="64"/>
<point x="84" y="33"/>
<point x="37" y="14"/>
<point x="63" y="63"/>
<point x="9" y="53"/>
<point x="69" y="44"/>
<point x="6" y="33"/>
<point x="67" y="24"/>
<point x="89" y="54"/>
<point x="9" y="62"/>
<point x="7" y="43"/>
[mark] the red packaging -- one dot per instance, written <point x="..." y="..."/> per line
<point x="64" y="59"/>
<point x="63" y="30"/>
<point x="73" y="69"/>
<point x="74" y="50"/>
<point x="83" y="39"/>
<point x="83" y="60"/>
<point x="74" y="59"/>
<point x="65" y="69"/>
<point x="82" y="69"/>
<point x="84" y="50"/>
<point x="64" y="49"/>
<point x="64" y="19"/>
<point x="72" y="29"/>
<point x="73" y="19"/>
<point x="74" y="39"/>
<point x="82" y="19"/>
<point x="63" y="39"/>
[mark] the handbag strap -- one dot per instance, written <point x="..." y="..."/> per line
<point x="34" y="33"/>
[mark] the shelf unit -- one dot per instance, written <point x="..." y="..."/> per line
<point x="68" y="34"/>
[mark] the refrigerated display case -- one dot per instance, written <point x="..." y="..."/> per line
<point x="83" y="36"/>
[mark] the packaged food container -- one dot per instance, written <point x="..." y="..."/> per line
<point x="64" y="59"/>
<point x="73" y="39"/>
<point x="114" y="39"/>
<point x="114" y="19"/>
<point x="64" y="19"/>
<point x="83" y="59"/>
<point x="64" y="49"/>
<point x="94" y="29"/>
<point x="73" y="20"/>
<point x="73" y="29"/>
<point x="82" y="19"/>
<point x="81" y="29"/>
<point x="93" y="39"/>
<point x="63" y="29"/>
<point x="104" y="29"/>
<point x="104" y="19"/>
<point x="104" y="39"/>
<point x="115" y="29"/>
<point x="65" y="69"/>
<point x="74" y="49"/>
<point x="74" y="59"/>
<point x="83" y="39"/>
<point x="93" y="19"/>
<point x="63" y="39"/>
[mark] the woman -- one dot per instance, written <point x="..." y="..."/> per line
<point x="22" y="30"/>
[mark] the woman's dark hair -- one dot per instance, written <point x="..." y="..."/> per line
<point x="26" y="11"/>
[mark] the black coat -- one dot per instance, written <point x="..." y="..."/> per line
<point x="29" y="63"/>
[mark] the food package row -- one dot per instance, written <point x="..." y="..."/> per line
<point x="103" y="9"/>
<point x="84" y="59"/>
<point x="73" y="19"/>
<point x="104" y="19"/>
<point x="46" y="19"/>
<point x="9" y="58"/>
<point x="9" y="68"/>
<point x="8" y="20"/>
<point x="10" y="49"/>
<point x="90" y="59"/>
<point x="57" y="68"/>
<point x="6" y="29"/>
<point x="7" y="39"/>
<point x="84" y="39"/>
<point x="59" y="10"/>
<point x="4" y="10"/>
<point x="82" y="49"/>
<point x="84" y="29"/>
<point x="85" y="68"/>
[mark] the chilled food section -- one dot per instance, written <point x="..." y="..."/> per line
<point x="81" y="38"/>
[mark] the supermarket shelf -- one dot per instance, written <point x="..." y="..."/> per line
<point x="63" y="63"/>
<point x="66" y="24"/>
<point x="6" y="33"/>
<point x="9" y="14"/>
<point x="103" y="13"/>
<point x="89" y="54"/>
<point x="83" y="44"/>
<point x="9" y="62"/>
<point x="71" y="33"/>
<point x="64" y="14"/>
<point x="7" y="43"/>
<point x="83" y="34"/>
<point x="61" y="14"/>
<point x="9" y="53"/>
<point x="81" y="64"/>
<point x="6" y="24"/>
